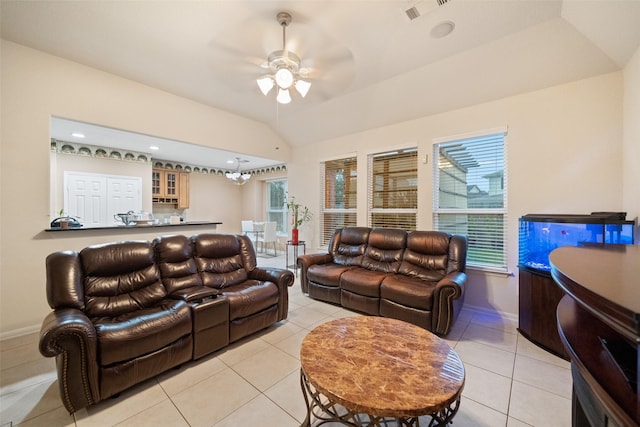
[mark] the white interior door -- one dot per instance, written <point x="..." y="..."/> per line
<point x="85" y="198"/>
<point x="123" y="195"/>
<point x="96" y="198"/>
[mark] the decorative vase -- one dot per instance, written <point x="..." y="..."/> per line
<point x="294" y="236"/>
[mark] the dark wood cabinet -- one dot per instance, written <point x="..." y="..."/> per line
<point x="599" y="324"/>
<point x="539" y="296"/>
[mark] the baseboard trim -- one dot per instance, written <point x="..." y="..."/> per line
<point x="19" y="332"/>
<point x="485" y="310"/>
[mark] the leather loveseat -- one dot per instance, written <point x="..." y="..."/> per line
<point x="416" y="276"/>
<point x="124" y="312"/>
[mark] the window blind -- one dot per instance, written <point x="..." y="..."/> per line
<point x="339" y="196"/>
<point x="471" y="178"/>
<point x="393" y="189"/>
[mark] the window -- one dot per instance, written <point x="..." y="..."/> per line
<point x="471" y="198"/>
<point x="393" y="189"/>
<point x="276" y="208"/>
<point x="339" y="182"/>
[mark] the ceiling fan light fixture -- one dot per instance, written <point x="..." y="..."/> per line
<point x="302" y="87"/>
<point x="285" y="66"/>
<point x="284" y="78"/>
<point x="265" y="84"/>
<point x="283" y="96"/>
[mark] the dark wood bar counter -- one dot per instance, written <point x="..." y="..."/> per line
<point x="599" y="324"/>
<point x="127" y="228"/>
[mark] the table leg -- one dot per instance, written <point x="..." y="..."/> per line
<point x="324" y="411"/>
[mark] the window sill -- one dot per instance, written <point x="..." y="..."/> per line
<point x="491" y="271"/>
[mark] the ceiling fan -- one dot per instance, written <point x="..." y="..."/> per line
<point x="285" y="70"/>
<point x="243" y="53"/>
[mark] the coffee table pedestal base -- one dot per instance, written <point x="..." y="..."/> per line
<point x="324" y="411"/>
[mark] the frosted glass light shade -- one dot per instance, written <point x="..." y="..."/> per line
<point x="284" y="78"/>
<point x="302" y="87"/>
<point x="265" y="84"/>
<point x="283" y="96"/>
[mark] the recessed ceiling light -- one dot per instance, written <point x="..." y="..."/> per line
<point x="153" y="147"/>
<point x="443" y="29"/>
<point x="78" y="134"/>
<point x="230" y="161"/>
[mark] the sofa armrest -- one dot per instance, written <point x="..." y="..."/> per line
<point x="306" y="261"/>
<point x="194" y="293"/>
<point x="69" y="336"/>
<point x="282" y="278"/>
<point x="448" y="301"/>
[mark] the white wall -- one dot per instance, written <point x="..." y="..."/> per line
<point x="34" y="87"/>
<point x="564" y="156"/>
<point x="631" y="158"/>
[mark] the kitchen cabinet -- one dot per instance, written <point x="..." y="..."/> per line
<point x="170" y="187"/>
<point x="183" y="193"/>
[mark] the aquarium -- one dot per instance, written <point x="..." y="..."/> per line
<point x="539" y="234"/>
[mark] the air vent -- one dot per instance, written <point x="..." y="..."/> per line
<point x="412" y="13"/>
<point x="422" y="7"/>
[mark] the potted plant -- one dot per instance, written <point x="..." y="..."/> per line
<point x="64" y="220"/>
<point x="299" y="215"/>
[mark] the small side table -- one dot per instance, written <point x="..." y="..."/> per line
<point x="295" y="255"/>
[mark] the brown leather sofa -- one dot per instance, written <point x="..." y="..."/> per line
<point x="124" y="312"/>
<point x="416" y="276"/>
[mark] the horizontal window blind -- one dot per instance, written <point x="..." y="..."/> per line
<point x="339" y="196"/>
<point x="471" y="178"/>
<point x="393" y="189"/>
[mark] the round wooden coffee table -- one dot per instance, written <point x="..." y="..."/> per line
<point x="370" y="370"/>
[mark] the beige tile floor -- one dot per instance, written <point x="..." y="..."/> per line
<point x="255" y="382"/>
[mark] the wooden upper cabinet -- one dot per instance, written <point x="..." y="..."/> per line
<point x="170" y="187"/>
<point x="183" y="185"/>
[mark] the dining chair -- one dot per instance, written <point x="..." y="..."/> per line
<point x="269" y="236"/>
<point x="247" y="225"/>
<point x="247" y="230"/>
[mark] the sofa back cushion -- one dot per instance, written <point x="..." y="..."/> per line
<point x="223" y="259"/>
<point x="120" y="278"/>
<point x="174" y="255"/>
<point x="384" y="251"/>
<point x="348" y="244"/>
<point x="426" y="256"/>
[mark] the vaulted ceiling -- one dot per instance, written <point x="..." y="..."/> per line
<point x="369" y="64"/>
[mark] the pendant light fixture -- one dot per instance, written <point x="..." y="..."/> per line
<point x="237" y="177"/>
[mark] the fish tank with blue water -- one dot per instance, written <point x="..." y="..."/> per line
<point x="539" y="234"/>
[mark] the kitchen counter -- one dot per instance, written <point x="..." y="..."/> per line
<point x="129" y="228"/>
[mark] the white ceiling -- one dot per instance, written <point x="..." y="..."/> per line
<point x="370" y="64"/>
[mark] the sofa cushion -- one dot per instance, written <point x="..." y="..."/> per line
<point x="426" y="256"/>
<point x="326" y="274"/>
<point x="220" y="260"/>
<point x="408" y="291"/>
<point x="178" y="270"/>
<point x="250" y="297"/>
<point x="135" y="334"/>
<point x="362" y="281"/>
<point x="384" y="250"/>
<point x="120" y="278"/>
<point x="348" y="244"/>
